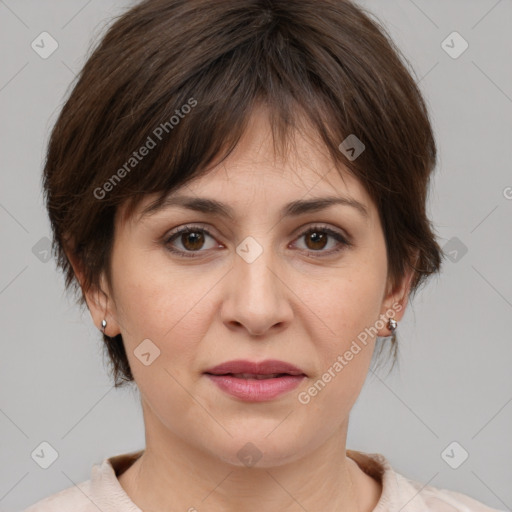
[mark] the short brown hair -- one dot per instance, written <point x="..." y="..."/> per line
<point x="327" y="59"/>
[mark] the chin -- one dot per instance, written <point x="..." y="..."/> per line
<point x="257" y="451"/>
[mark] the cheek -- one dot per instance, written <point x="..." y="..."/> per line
<point x="346" y="304"/>
<point x="347" y="309"/>
<point x="168" y="306"/>
<point x="171" y="314"/>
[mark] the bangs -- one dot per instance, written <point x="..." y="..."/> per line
<point x="187" y="104"/>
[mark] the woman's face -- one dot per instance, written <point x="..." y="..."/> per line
<point x="257" y="286"/>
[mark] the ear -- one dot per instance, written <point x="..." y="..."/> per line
<point x="99" y="300"/>
<point x="396" y="299"/>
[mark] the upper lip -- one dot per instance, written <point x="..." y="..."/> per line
<point x="267" y="367"/>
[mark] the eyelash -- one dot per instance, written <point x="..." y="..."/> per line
<point x="193" y="229"/>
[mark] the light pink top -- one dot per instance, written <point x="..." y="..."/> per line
<point x="104" y="493"/>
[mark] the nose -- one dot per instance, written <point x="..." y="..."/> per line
<point x="257" y="296"/>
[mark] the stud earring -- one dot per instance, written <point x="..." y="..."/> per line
<point x="392" y="324"/>
<point x="103" y="325"/>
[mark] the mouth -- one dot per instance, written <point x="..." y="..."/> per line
<point x="255" y="376"/>
<point x="255" y="382"/>
<point x="244" y="369"/>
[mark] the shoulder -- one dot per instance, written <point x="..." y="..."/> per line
<point x="73" y="498"/>
<point x="407" y="495"/>
<point x="102" y="492"/>
<point x="444" y="500"/>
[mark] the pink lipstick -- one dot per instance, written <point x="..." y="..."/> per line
<point x="256" y="382"/>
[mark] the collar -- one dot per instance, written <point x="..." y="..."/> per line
<point x="397" y="491"/>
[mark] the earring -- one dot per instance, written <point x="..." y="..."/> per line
<point x="392" y="324"/>
<point x="103" y="325"/>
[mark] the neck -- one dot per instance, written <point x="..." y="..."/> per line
<point x="323" y="478"/>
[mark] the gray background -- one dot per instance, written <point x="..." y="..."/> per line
<point x="454" y="381"/>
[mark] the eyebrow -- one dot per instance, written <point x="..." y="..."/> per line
<point x="212" y="206"/>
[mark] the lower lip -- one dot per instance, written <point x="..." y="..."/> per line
<point x="253" y="390"/>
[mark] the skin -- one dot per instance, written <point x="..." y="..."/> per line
<point x="291" y="304"/>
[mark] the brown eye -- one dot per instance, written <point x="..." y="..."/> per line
<point x="317" y="239"/>
<point x="192" y="240"/>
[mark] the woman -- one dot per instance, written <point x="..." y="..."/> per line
<point x="237" y="190"/>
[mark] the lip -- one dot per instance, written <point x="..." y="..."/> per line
<point x="254" y="390"/>
<point x="266" y="367"/>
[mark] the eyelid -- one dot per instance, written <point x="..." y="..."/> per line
<point x="167" y="238"/>
<point x="308" y="226"/>
<point x="343" y="238"/>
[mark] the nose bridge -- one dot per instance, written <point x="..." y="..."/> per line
<point x="256" y="299"/>
<point x="254" y="279"/>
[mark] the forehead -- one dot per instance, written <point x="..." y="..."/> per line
<point x="255" y="174"/>
<point x="304" y="162"/>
